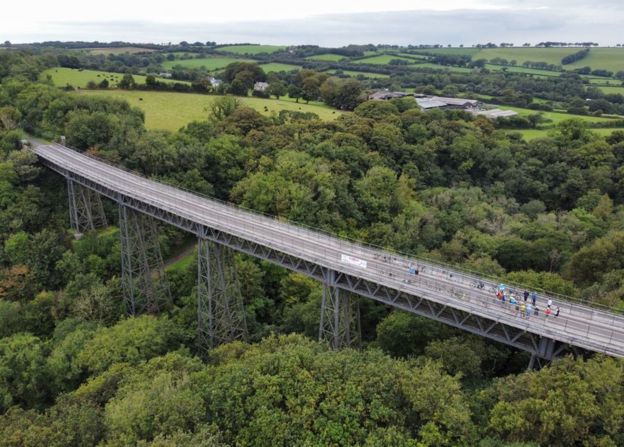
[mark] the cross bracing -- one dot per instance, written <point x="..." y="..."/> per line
<point x="452" y="297"/>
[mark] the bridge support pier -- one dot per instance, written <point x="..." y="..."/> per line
<point x="145" y="287"/>
<point x="547" y="350"/>
<point x="86" y="211"/>
<point x="220" y="308"/>
<point x="340" y="315"/>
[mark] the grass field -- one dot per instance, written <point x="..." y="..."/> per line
<point x="520" y="55"/>
<point x="252" y="49"/>
<point x="442" y="67"/>
<point x="448" y="51"/>
<point x="120" y="50"/>
<point x="606" y="58"/>
<point x="79" y="78"/>
<point x="557" y="117"/>
<point x="610" y="89"/>
<point x="531" y="71"/>
<point x="361" y="73"/>
<point x="210" y="63"/>
<point x="532" y="134"/>
<point x="170" y="111"/>
<point x="276" y="67"/>
<point x="599" y="58"/>
<point x="328" y="57"/>
<point x="382" y="59"/>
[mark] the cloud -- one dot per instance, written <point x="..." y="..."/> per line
<point x="529" y="21"/>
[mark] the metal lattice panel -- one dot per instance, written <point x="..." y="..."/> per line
<point x="142" y="272"/>
<point x="340" y="316"/>
<point x="220" y="308"/>
<point x="86" y="212"/>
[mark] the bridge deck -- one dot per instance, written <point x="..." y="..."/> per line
<point x="577" y="325"/>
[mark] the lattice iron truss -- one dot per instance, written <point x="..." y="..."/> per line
<point x="142" y="270"/>
<point x="138" y="252"/>
<point x="340" y="315"/>
<point x="220" y="308"/>
<point x="86" y="212"/>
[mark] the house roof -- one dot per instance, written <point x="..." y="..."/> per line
<point x="429" y="103"/>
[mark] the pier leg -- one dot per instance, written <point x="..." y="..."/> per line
<point x="220" y="308"/>
<point x="143" y="279"/>
<point x="86" y="212"/>
<point x="340" y="316"/>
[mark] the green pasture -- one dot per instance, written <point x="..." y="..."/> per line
<point x="209" y="63"/>
<point x="532" y="134"/>
<point x="605" y="58"/>
<point x="446" y="51"/>
<point x="611" y="89"/>
<point x="277" y="67"/>
<point x="79" y="78"/>
<point x="355" y="74"/>
<point x="520" y="69"/>
<point x="119" y="50"/>
<point x="382" y="59"/>
<point x="252" y="49"/>
<point x="327" y="57"/>
<point x="171" y="110"/>
<point x="520" y="55"/>
<point x="442" y="67"/>
<point x="557" y="117"/>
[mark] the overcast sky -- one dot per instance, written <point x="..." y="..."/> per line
<point x="323" y="22"/>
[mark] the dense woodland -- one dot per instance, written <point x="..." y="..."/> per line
<point x="75" y="371"/>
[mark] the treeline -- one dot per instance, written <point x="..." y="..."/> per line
<point x="574" y="57"/>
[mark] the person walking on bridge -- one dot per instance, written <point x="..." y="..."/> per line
<point x="534" y="298"/>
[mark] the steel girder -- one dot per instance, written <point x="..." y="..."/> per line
<point x="220" y="309"/>
<point x="340" y="315"/>
<point x="142" y="270"/>
<point x="486" y="327"/>
<point x="86" y="212"/>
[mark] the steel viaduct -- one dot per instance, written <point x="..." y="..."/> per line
<point x="346" y="269"/>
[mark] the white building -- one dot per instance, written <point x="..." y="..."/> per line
<point x="261" y="86"/>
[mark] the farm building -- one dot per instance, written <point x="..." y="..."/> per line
<point x="494" y="113"/>
<point x="385" y="95"/>
<point x="261" y="86"/>
<point x="164" y="74"/>
<point x="443" y="102"/>
<point x="215" y="82"/>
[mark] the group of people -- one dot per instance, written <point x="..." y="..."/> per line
<point x="527" y="305"/>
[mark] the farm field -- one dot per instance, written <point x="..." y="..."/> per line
<point x="210" y="63"/>
<point x="447" y="51"/>
<point x="606" y="58"/>
<point x="276" y="67"/>
<point x="442" y="67"/>
<point x="611" y="89"/>
<point x="328" y="57"/>
<point x="531" y="71"/>
<point x="557" y="117"/>
<point x="355" y="74"/>
<point x="382" y="59"/>
<point x="532" y="134"/>
<point x="170" y="110"/>
<point x="520" y="55"/>
<point x="79" y="78"/>
<point x="119" y="50"/>
<point x="252" y="49"/>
